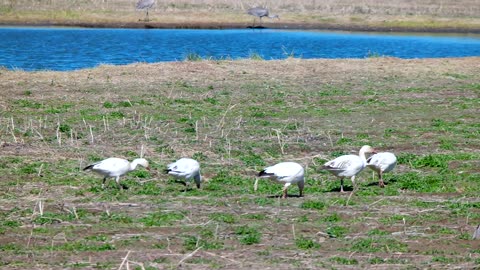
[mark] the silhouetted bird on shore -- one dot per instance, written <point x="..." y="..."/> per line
<point x="260" y="13"/>
<point x="145" y="4"/>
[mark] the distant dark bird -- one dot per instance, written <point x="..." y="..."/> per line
<point x="348" y="165"/>
<point x="260" y="13"/>
<point x="145" y="4"/>
<point x="115" y="167"/>
<point x="287" y="173"/>
<point x="382" y="163"/>
<point x="186" y="169"/>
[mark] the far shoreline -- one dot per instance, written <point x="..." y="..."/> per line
<point x="219" y="26"/>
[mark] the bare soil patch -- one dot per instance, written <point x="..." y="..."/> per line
<point x="235" y="117"/>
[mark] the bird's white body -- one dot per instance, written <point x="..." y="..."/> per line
<point x="348" y="165"/>
<point x="287" y="173"/>
<point x="115" y="167"/>
<point x="381" y="163"/>
<point x="185" y="169"/>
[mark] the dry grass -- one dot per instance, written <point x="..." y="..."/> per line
<point x="370" y="14"/>
<point x="227" y="114"/>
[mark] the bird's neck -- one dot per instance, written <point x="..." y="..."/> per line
<point x="362" y="156"/>
<point x="133" y="165"/>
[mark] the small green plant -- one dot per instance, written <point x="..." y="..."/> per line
<point x="25" y="103"/>
<point x="373" y="54"/>
<point x="199" y="156"/>
<point x="255" y="56"/>
<point x="223" y="217"/>
<point x="252" y="159"/>
<point x="108" y="105"/>
<point x="64" y="128"/>
<point x="376" y="232"/>
<point x="310" y="204"/>
<point x="192" y="56"/>
<point x="344" y="140"/>
<point x="332" y="218"/>
<point x="306" y="243"/>
<point x="342" y="260"/>
<point x="248" y="235"/>
<point x="336" y="231"/>
<point x="371" y="245"/>
<point x="193" y="242"/>
<point x="161" y="218"/>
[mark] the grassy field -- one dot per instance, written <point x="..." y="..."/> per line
<point x="398" y="15"/>
<point x="236" y="117"/>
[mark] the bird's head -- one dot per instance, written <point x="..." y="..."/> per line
<point x="367" y="149"/>
<point x="142" y="162"/>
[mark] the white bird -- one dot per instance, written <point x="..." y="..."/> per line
<point x="348" y="165"/>
<point x="285" y="172"/>
<point x="381" y="163"/>
<point x="260" y="12"/>
<point x="186" y="169"/>
<point x="145" y="4"/>
<point x="115" y="167"/>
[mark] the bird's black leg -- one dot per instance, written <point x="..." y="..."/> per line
<point x="103" y="182"/>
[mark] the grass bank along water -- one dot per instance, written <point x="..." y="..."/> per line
<point x="401" y="15"/>
<point x="235" y="118"/>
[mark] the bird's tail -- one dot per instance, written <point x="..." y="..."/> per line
<point x="167" y="170"/>
<point x="264" y="173"/>
<point x="88" y="167"/>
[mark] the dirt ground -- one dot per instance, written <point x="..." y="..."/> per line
<point x="236" y="117"/>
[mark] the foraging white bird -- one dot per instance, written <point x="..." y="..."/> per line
<point x="381" y="163"/>
<point x="115" y="167"/>
<point x="186" y="169"/>
<point x="348" y="165"/>
<point x="285" y="172"/>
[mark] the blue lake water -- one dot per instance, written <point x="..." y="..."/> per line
<point x="75" y="48"/>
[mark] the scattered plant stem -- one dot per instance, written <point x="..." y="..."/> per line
<point x="124" y="260"/>
<point x="188" y="256"/>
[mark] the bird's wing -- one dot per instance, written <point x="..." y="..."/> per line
<point x="341" y="162"/>
<point x="287" y="169"/>
<point x="380" y="159"/>
<point x="184" y="166"/>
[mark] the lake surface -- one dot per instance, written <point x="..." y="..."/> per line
<point x="75" y="48"/>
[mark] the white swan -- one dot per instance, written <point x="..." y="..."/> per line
<point x="186" y="169"/>
<point x="348" y="165"/>
<point x="381" y="163"/>
<point x="115" y="167"/>
<point x="284" y="172"/>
